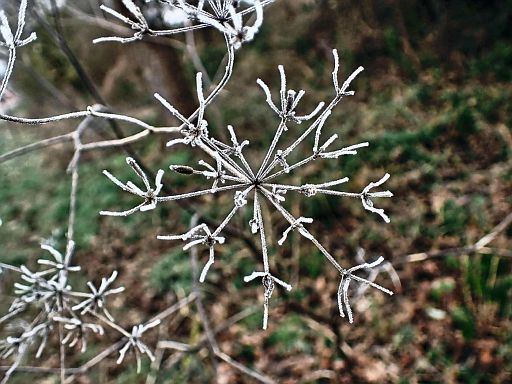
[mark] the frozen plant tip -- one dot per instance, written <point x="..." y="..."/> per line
<point x="13" y="40"/>
<point x="140" y="24"/>
<point x="39" y="289"/>
<point x="346" y="277"/>
<point x="61" y="263"/>
<point x="268" y="284"/>
<point x="136" y="344"/>
<point x="372" y="274"/>
<point x="77" y="331"/>
<point x="289" y="101"/>
<point x="194" y="134"/>
<point x="149" y="195"/>
<point x="96" y="299"/>
<point x="298" y="224"/>
<point x="239" y="33"/>
<point x="223" y="16"/>
<point x="366" y="197"/>
<point x="19" y="344"/>
<point x="194" y="238"/>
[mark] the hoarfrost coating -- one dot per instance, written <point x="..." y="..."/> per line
<point x="73" y="312"/>
<point x="261" y="183"/>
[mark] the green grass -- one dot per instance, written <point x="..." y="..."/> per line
<point x="172" y="272"/>
<point x="290" y="336"/>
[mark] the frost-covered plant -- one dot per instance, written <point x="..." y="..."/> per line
<point x="49" y="293"/>
<point x="262" y="183"/>
<point x="75" y="314"/>
<point x="12" y="40"/>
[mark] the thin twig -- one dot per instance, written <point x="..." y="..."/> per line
<point x="212" y="343"/>
<point x="478" y="247"/>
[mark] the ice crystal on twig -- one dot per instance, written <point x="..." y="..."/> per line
<point x="224" y="16"/>
<point x="97" y="298"/>
<point x="77" y="331"/>
<point x="194" y="238"/>
<point x="239" y="33"/>
<point x="136" y="344"/>
<point x="366" y="197"/>
<point x="289" y="101"/>
<point x="268" y="283"/>
<point x="149" y="195"/>
<point x="61" y="263"/>
<point x="13" y="40"/>
<point x="19" y="344"/>
<point x="140" y="24"/>
<point x="346" y="278"/>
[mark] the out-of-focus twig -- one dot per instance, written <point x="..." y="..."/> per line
<point x="479" y="247"/>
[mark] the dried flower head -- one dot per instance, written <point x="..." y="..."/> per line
<point x="237" y="176"/>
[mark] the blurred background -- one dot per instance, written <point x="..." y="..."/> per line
<point x="434" y="102"/>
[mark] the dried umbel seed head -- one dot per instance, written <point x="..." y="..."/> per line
<point x="237" y="176"/>
<point x="51" y="291"/>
